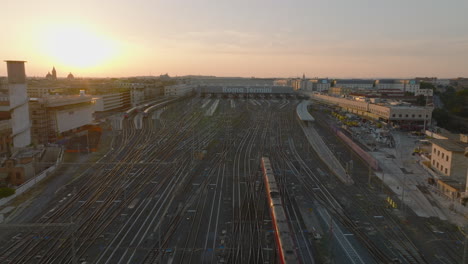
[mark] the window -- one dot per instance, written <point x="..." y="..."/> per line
<point x="438" y="153"/>
<point x="420" y="115"/>
<point x="446" y="158"/>
<point x="399" y="115"/>
<point x="406" y="115"/>
<point x="412" y="115"/>
<point x="446" y="171"/>
<point x="433" y="162"/>
<point x="441" y="167"/>
<point x="443" y="155"/>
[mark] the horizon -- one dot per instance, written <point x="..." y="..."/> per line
<point x="362" y="39"/>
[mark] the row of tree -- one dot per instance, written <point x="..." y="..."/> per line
<point x="454" y="114"/>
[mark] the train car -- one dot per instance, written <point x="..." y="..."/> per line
<point x="130" y="111"/>
<point x="148" y="110"/>
<point x="283" y="234"/>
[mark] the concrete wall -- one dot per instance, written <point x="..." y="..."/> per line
<point x="30" y="183"/>
<point x="108" y="102"/>
<point x="74" y="118"/>
<point x="20" y="121"/>
<point x="459" y="167"/>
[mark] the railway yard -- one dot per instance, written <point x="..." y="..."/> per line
<point x="184" y="184"/>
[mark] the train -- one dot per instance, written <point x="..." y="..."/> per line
<point x="148" y="107"/>
<point x="148" y="110"/>
<point x="283" y="235"/>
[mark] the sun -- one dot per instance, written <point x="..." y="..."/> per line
<point x="78" y="47"/>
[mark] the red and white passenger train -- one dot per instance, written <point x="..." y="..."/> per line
<point x="283" y="234"/>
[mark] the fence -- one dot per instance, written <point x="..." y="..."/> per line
<point x="30" y="183"/>
<point x="371" y="161"/>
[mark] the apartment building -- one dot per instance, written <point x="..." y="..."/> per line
<point x="448" y="157"/>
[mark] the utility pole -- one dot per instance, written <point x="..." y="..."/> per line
<point x="74" y="260"/>
<point x="465" y="251"/>
<point x="383" y="180"/>
<point x="370" y="174"/>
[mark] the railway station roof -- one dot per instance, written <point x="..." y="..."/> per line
<point x="303" y="113"/>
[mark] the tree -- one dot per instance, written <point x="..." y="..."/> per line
<point x="426" y="85"/>
<point x="442" y="117"/>
<point x="421" y="100"/>
<point x="5" y="192"/>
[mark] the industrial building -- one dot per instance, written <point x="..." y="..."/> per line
<point x="14" y="104"/>
<point x="355" y="83"/>
<point x="244" y="91"/>
<point x="54" y="116"/>
<point x="111" y="101"/>
<point x="39" y="92"/>
<point x="391" y="112"/>
<point x="318" y="85"/>
<point x="178" y="89"/>
<point x="404" y="85"/>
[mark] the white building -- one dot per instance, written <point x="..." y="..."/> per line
<point x="178" y="89"/>
<point x="425" y="92"/>
<point x="355" y="83"/>
<point x="387" y="112"/>
<point x="318" y="85"/>
<point x="14" y="101"/>
<point x="107" y="102"/>
<point x="54" y="116"/>
<point x="448" y="158"/>
<point x="390" y="84"/>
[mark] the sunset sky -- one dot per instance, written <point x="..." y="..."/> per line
<point x="261" y="38"/>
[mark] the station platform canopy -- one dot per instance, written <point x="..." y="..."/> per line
<point x="302" y="112"/>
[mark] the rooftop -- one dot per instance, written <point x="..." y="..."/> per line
<point x="450" y="145"/>
<point x="355" y="81"/>
<point x="302" y="111"/>
<point x="61" y="100"/>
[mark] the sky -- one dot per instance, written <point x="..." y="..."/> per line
<point x="260" y="38"/>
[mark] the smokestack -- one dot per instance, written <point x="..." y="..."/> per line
<point x="16" y="72"/>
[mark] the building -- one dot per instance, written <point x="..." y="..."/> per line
<point x="395" y="112"/>
<point x="431" y="80"/>
<point x="70" y="76"/>
<point x="12" y="174"/>
<point x="111" y="101"/>
<point x="52" y="76"/>
<point x="411" y="86"/>
<point x="448" y="157"/>
<point x="14" y="104"/>
<point x="282" y="82"/>
<point x="460" y="83"/>
<point x="424" y="92"/>
<point x="141" y="90"/>
<point x="355" y="83"/>
<point x="317" y="85"/>
<point x="390" y="84"/>
<point x="178" y="90"/>
<point x="55" y="117"/>
<point x="339" y="91"/>
<point x="39" y="92"/>
<point x="6" y="144"/>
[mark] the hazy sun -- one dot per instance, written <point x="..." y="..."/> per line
<point x="78" y="47"/>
